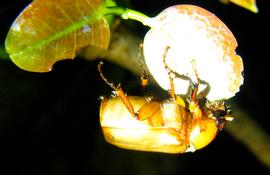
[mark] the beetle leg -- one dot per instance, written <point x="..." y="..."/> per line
<point x="119" y="91"/>
<point x="152" y="112"/>
<point x="144" y="75"/>
<point x="196" y="84"/>
<point x="194" y="105"/>
<point x="171" y="74"/>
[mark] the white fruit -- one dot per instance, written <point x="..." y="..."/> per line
<point x="194" y="35"/>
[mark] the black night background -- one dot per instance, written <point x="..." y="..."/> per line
<point x="49" y="122"/>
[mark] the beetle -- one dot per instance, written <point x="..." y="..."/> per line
<point x="175" y="125"/>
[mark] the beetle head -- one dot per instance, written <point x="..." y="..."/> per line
<point x="219" y="111"/>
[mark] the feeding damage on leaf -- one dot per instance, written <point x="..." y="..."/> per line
<point x="247" y="4"/>
<point x="48" y="31"/>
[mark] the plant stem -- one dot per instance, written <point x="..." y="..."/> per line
<point x="244" y="128"/>
<point x="3" y="53"/>
<point x="126" y="13"/>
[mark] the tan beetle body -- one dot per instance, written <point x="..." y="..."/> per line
<point x="175" y="125"/>
<point x="172" y="128"/>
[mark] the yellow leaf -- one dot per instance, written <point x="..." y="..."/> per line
<point x="248" y="4"/>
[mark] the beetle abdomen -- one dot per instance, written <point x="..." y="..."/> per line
<point x="162" y="139"/>
<point x="122" y="129"/>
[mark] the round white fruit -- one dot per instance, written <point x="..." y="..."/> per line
<point x="198" y="42"/>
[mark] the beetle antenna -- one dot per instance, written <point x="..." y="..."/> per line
<point x="105" y="79"/>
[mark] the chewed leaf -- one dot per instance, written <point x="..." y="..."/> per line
<point x="51" y="30"/>
<point x="247" y="4"/>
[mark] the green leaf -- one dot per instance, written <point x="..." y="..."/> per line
<point x="51" y="30"/>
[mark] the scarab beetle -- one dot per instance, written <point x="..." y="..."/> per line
<point x="175" y="125"/>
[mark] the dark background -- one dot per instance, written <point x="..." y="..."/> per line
<point x="49" y="123"/>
